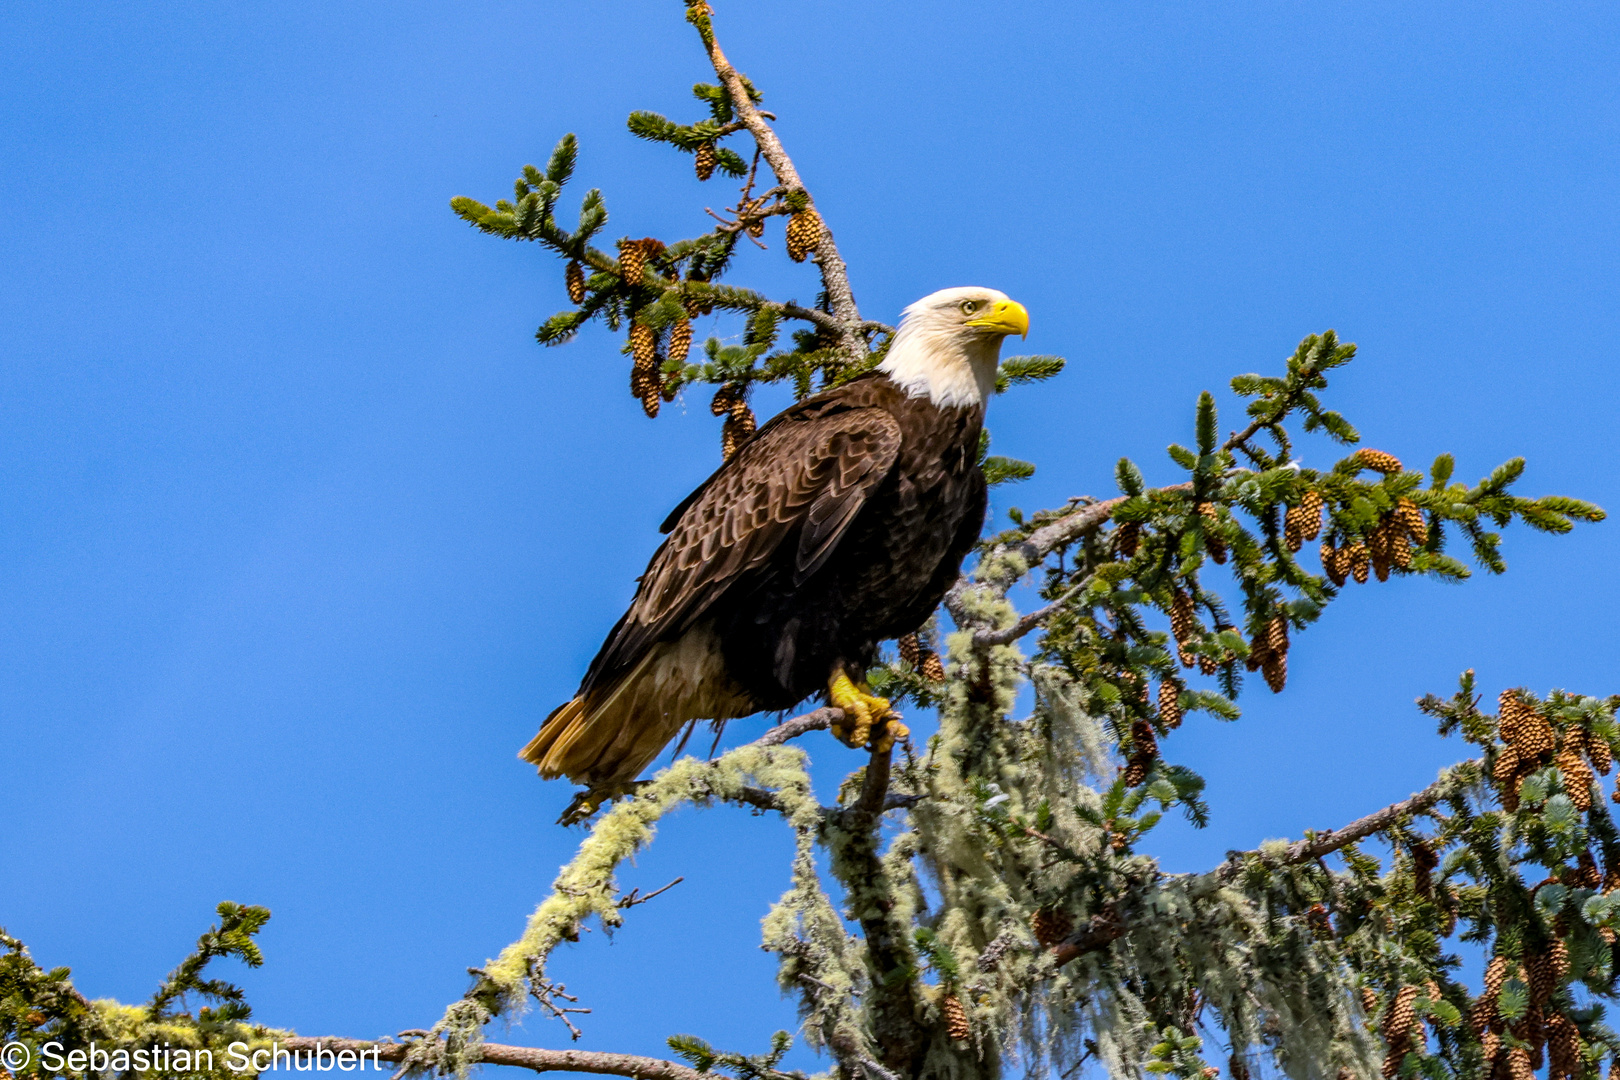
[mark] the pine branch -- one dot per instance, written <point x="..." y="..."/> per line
<point x="834" y="274"/>
<point x="816" y="720"/>
<point x="523" y="1057"/>
<point x="1318" y="845"/>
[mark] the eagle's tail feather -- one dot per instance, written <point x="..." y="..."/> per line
<point x="607" y="735"/>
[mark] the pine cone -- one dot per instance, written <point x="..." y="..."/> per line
<point x="1051" y="925"/>
<point x="1136" y="770"/>
<point x="1519" y="1067"/>
<point x="1578" y="778"/>
<point x="1540" y="977"/>
<point x="933" y="668"/>
<point x="803" y="234"/>
<point x="728" y="397"/>
<point x="680" y="340"/>
<point x="1558" y="959"/>
<point x="1378" y="550"/>
<point x="1208" y="666"/>
<point x="1598" y="752"/>
<point x="1275" y="670"/>
<point x="1212" y="541"/>
<point x="1424" y="860"/>
<point x="1303" y="522"/>
<point x="1563" y="1049"/>
<point x="1401" y="1016"/>
<point x="1511" y="713"/>
<point x="956" y="1020"/>
<point x="1334" y="563"/>
<point x="1127" y="537"/>
<point x="575" y="278"/>
<point x="1378" y="461"/>
<point x="1400" y="552"/>
<point x="1587" y="876"/>
<point x="632" y="261"/>
<point x="756" y="227"/>
<point x="1537" y="738"/>
<point x="910" y="650"/>
<point x="696" y="308"/>
<point x="1482" y="1014"/>
<point x="1169" y="705"/>
<point x="737" y="429"/>
<point x="1411" y="520"/>
<point x="704" y="160"/>
<point x="1143" y="739"/>
<point x="1356" y="554"/>
<point x="1277" y="635"/>
<point x="650" y="399"/>
<point x="1369" y="1000"/>
<point x="1316" y="917"/>
<point x="1182" y="621"/>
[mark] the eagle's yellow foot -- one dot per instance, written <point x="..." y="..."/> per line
<point x="868" y="720"/>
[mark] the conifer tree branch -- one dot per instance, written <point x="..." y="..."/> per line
<point x="834" y="274"/>
<point x="815" y="720"/>
<point x="1318" y="845"/>
<point x="523" y="1057"/>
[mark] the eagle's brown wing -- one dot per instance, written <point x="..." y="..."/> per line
<point x="801" y="480"/>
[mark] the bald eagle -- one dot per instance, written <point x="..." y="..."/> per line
<point x="838" y="525"/>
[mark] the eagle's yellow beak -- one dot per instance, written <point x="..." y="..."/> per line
<point x="1005" y="317"/>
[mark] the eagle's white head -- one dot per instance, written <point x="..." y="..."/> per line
<point x="949" y="345"/>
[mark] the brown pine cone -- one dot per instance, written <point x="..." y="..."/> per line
<point x="1539" y="977"/>
<point x="1614" y="1067"/>
<point x="1558" y="960"/>
<point x="1143" y="739"/>
<point x="1578" y="778"/>
<point x="1378" y="550"/>
<point x="1563" y="1048"/>
<point x="1277" y="635"/>
<point x="956" y="1019"/>
<point x="695" y="308"/>
<point x="1275" y="670"/>
<point x="1482" y="1014"/>
<point x="1519" y="1067"/>
<point x="933" y="668"/>
<point x="1312" y="505"/>
<point x="1424" y="860"/>
<point x="737" y="429"/>
<point x="1536" y="737"/>
<point x="1182" y="621"/>
<point x="1411" y="520"/>
<point x="1511" y="713"/>
<point x="704" y="160"/>
<point x="910" y="650"/>
<point x="680" y="340"/>
<point x="803" y="234"/>
<point x="632" y="261"/>
<point x="1334" y="563"/>
<point x="1598" y="752"/>
<point x="1051" y="925"/>
<point x="1400" y="552"/>
<point x="574" y="276"/>
<point x="1586" y="875"/>
<point x="1369" y="1000"/>
<point x="1212" y="541"/>
<point x="756" y="227"/>
<point x="650" y="399"/>
<point x="1378" y="461"/>
<point x="1169" y="705"/>
<point x="1316" y="917"/>
<point x="727" y="398"/>
<point x="1489" y="1043"/>
<point x="1402" y="1016"/>
<point x="1208" y="666"/>
<point x="1357" y="556"/>
<point x="1127" y="537"/>
<point x="1136" y="770"/>
<point x="1303" y="522"/>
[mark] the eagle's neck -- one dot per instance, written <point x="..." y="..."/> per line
<point x="949" y="368"/>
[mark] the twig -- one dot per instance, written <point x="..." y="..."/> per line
<point x="985" y="638"/>
<point x="1317" y="845"/>
<point x="523" y="1057"/>
<point x="631" y="899"/>
<point x="545" y="991"/>
<point x="834" y="274"/>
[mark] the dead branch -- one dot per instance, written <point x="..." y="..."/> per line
<point x="816" y="720"/>
<point x="523" y="1057"/>
<point x="631" y="899"/>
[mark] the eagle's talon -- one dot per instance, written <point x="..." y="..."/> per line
<point x="868" y="720"/>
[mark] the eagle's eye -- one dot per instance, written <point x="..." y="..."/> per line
<point x="970" y="306"/>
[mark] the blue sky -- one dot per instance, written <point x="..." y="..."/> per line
<point x="303" y="534"/>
